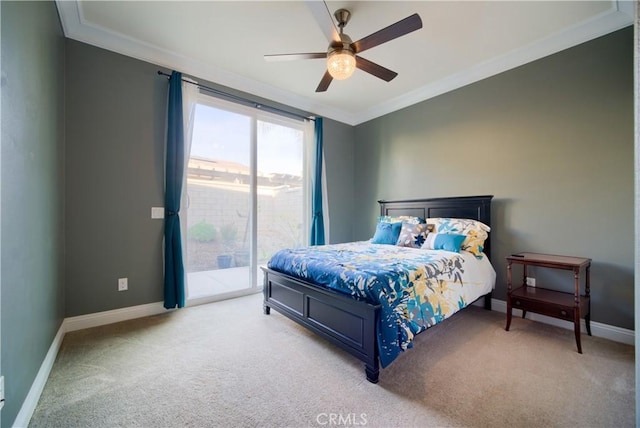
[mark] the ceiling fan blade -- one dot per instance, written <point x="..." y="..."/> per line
<point x="323" y="17"/>
<point x="375" y="69"/>
<point x="393" y="31"/>
<point x="295" y="56"/>
<point x="325" y="82"/>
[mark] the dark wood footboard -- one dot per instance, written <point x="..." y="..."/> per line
<point x="343" y="320"/>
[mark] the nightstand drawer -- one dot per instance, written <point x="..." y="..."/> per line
<point x="544" y="308"/>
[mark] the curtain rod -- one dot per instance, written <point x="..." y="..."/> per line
<point x="243" y="100"/>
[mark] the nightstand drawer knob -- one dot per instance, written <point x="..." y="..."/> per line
<point x="517" y="302"/>
<point x="563" y="312"/>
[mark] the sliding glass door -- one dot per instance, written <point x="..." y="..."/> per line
<point x="282" y="213"/>
<point x="246" y="194"/>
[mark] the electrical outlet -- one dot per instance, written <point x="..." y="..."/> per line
<point x="531" y="282"/>
<point x="123" y="284"/>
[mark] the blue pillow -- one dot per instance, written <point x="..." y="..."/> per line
<point x="387" y="233"/>
<point x="443" y="241"/>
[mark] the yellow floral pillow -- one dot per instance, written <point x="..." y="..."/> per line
<point x="475" y="232"/>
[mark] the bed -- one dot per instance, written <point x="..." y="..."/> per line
<point x="354" y="318"/>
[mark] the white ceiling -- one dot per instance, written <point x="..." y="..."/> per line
<point x="224" y="42"/>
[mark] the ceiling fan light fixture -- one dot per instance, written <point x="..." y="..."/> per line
<point x="341" y="64"/>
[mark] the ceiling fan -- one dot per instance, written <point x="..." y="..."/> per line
<point x="342" y="55"/>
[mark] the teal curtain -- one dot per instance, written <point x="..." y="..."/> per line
<point x="174" y="290"/>
<point x="317" y="221"/>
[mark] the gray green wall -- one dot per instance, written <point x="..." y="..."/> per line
<point x="114" y="167"/>
<point x="552" y="140"/>
<point x="114" y="164"/>
<point x="32" y="193"/>
<point x="339" y="154"/>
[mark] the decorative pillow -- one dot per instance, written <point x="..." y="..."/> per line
<point x="387" y="233"/>
<point x="413" y="235"/>
<point x="475" y="232"/>
<point x="443" y="241"/>
<point x="401" y="218"/>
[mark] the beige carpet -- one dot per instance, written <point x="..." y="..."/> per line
<point x="228" y="365"/>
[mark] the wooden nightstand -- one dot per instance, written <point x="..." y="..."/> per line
<point x="557" y="304"/>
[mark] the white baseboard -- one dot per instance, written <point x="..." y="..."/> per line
<point x="617" y="334"/>
<point x="30" y="403"/>
<point x="110" y="317"/>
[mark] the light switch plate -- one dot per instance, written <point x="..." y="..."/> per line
<point x="157" y="212"/>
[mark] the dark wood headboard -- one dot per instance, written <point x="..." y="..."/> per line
<point x="474" y="207"/>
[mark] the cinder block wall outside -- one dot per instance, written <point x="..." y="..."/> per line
<point x="280" y="219"/>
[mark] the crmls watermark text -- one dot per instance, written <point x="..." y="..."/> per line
<point x="338" y="419"/>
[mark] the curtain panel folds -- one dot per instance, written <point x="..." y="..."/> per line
<point x="181" y="111"/>
<point x="174" y="289"/>
<point x="317" y="220"/>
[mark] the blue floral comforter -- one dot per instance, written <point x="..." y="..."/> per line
<point x="416" y="288"/>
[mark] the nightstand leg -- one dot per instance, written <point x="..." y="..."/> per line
<point x="576" y="329"/>
<point x="587" y="319"/>
<point x="508" y="295"/>
<point x="576" y="309"/>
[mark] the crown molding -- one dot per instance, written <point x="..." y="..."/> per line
<point x="76" y="27"/>
<point x="616" y="18"/>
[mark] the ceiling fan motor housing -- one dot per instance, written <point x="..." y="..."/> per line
<point x="343" y="45"/>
